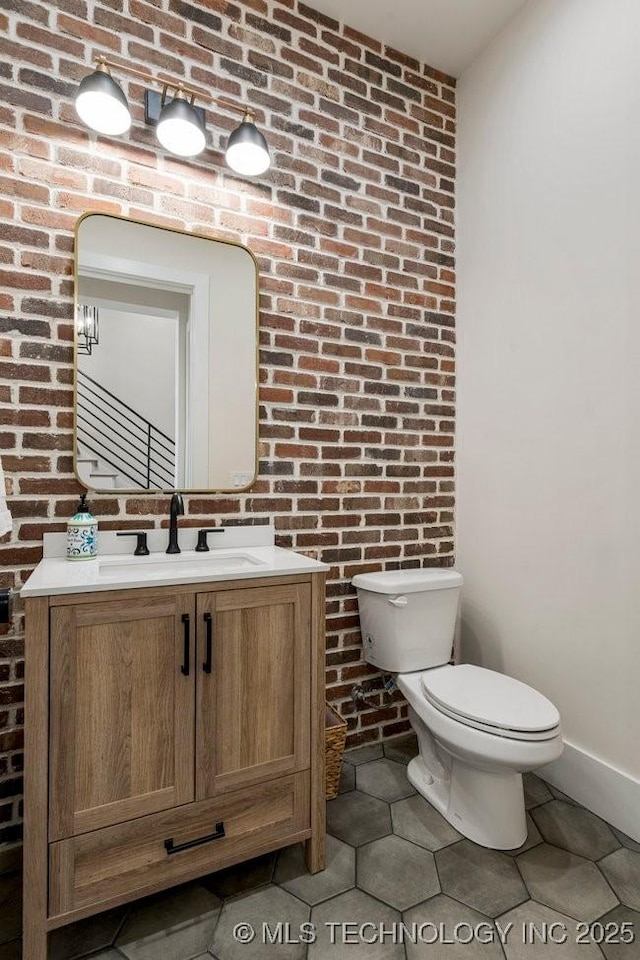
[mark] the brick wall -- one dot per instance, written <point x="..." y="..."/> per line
<point x="353" y="227"/>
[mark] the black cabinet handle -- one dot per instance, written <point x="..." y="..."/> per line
<point x="187" y="645"/>
<point x="172" y="847"/>
<point x="208" y="663"/>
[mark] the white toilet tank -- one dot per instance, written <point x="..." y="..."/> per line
<point x="408" y="617"/>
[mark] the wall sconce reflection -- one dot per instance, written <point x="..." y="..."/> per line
<point x="87" y="328"/>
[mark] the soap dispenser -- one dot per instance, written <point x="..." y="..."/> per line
<point x="82" y="533"/>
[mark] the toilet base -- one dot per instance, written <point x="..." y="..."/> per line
<point x="483" y="806"/>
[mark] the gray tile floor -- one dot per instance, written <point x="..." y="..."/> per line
<point x="392" y="859"/>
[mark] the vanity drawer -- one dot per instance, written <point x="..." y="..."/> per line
<point x="140" y="856"/>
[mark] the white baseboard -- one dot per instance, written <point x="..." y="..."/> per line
<point x="601" y="788"/>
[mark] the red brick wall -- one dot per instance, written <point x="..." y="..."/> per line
<point x="353" y="227"/>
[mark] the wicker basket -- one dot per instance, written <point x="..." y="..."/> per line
<point x="335" y="735"/>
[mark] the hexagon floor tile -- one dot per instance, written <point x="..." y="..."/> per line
<point x="559" y="795"/>
<point x="616" y="945"/>
<point x="357" y="818"/>
<point x="535" y="790"/>
<point x="372" y="751"/>
<point x="534" y="837"/>
<point x="402" y="749"/>
<point x="347" y="778"/>
<point x="105" y="955"/>
<point x="87" y="936"/>
<point x="486" y="880"/>
<point x="384" y="779"/>
<point x="441" y="927"/>
<point x="263" y="910"/>
<point x="626" y="841"/>
<point x="397" y="872"/>
<point x="340" y="875"/>
<point x="383" y="856"/>
<point x="559" y="939"/>
<point x="566" y="883"/>
<point x="355" y="909"/>
<point x="574" y="829"/>
<point x="171" y="925"/>
<point x="416" y="820"/>
<point x="622" y="870"/>
<point x="241" y="878"/>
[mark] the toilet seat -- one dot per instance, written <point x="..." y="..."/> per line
<point x="490" y="701"/>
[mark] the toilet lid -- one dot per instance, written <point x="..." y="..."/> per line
<point x="480" y="696"/>
<point x="408" y="581"/>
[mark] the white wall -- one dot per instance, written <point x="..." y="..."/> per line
<point x="548" y="521"/>
<point x="136" y="361"/>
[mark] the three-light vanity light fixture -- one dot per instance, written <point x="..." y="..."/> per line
<point x="180" y="125"/>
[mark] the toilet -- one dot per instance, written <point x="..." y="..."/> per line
<point x="478" y="730"/>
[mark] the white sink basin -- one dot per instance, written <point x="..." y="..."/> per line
<point x="185" y="564"/>
<point x="249" y="553"/>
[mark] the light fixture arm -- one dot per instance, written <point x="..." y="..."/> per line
<point x="104" y="63"/>
<point x="180" y="125"/>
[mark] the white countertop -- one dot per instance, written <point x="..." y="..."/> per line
<point x="245" y="553"/>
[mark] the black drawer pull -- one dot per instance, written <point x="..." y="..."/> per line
<point x="187" y="646"/>
<point x="172" y="847"/>
<point x="208" y="663"/>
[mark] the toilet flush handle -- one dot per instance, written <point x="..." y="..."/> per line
<point x="398" y="601"/>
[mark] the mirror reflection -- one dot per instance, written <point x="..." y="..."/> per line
<point x="166" y="359"/>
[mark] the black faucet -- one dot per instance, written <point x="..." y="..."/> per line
<point x="175" y="510"/>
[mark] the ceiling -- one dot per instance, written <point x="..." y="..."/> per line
<point x="446" y="34"/>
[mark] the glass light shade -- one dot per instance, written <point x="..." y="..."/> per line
<point x="180" y="129"/>
<point x="101" y="104"/>
<point x="247" y="150"/>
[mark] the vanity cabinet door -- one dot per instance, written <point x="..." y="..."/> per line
<point x="122" y="711"/>
<point x="253" y="686"/>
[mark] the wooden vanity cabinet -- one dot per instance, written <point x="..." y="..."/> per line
<point x="253" y="689"/>
<point x="121" y="711"/>
<point x="170" y="732"/>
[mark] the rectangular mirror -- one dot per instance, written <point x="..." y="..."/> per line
<point x="166" y="373"/>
